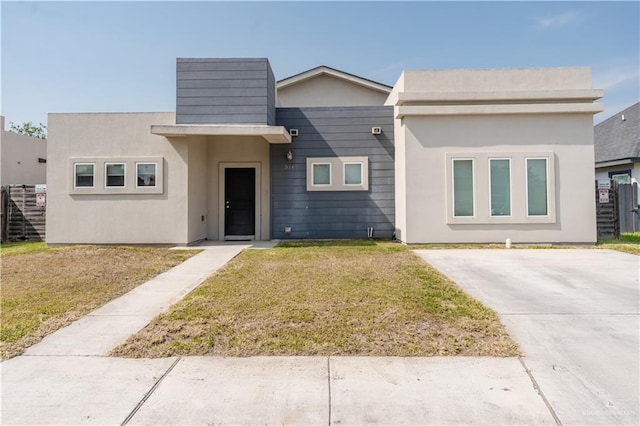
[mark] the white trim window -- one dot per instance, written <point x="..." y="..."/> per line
<point x="337" y="173"/>
<point x="114" y="175"/>
<point x="463" y="193"/>
<point x="84" y="175"/>
<point x="500" y="187"/>
<point x="353" y="173"/>
<point x="321" y="174"/>
<point x="537" y="179"/>
<point x="146" y="175"/>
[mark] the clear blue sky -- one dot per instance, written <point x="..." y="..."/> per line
<point x="120" y="56"/>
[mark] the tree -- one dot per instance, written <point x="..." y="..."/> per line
<point x="30" y="129"/>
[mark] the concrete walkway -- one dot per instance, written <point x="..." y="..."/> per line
<point x="108" y="326"/>
<point x="67" y="379"/>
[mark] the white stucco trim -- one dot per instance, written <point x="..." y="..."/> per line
<point x="273" y="134"/>
<point x="221" y="196"/>
<point x="564" y="108"/>
<point x="482" y="193"/>
<point x="531" y="95"/>
<point x="99" y="178"/>
<point x="337" y="182"/>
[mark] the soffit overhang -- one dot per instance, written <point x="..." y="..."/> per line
<point x="272" y="134"/>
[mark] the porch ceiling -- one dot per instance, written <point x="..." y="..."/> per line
<point x="273" y="134"/>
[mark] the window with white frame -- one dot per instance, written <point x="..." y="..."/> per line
<point x="321" y="174"/>
<point x="114" y="175"/>
<point x="337" y="174"/>
<point x="146" y="174"/>
<point x="84" y="174"/>
<point x="353" y="173"/>
<point x="500" y="186"/>
<point x="463" y="193"/>
<point x="537" y="187"/>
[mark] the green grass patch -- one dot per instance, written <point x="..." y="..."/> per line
<point x="22" y="247"/>
<point x="325" y="298"/>
<point x="628" y="243"/>
<point x="44" y="288"/>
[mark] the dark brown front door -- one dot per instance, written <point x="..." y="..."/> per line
<point x="240" y="201"/>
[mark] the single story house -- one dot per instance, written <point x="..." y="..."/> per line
<point x="617" y="146"/>
<point x="441" y="157"/>
<point x="24" y="158"/>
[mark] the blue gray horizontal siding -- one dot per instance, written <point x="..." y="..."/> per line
<point x="224" y="91"/>
<point x="333" y="132"/>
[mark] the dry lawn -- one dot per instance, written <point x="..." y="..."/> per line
<point x="44" y="289"/>
<point x="325" y="298"/>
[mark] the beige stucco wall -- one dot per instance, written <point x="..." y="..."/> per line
<point x="500" y="113"/>
<point x="115" y="218"/>
<point x="19" y="162"/>
<point x="237" y="151"/>
<point x="325" y="90"/>
<point x="198" y="188"/>
<point x="428" y="140"/>
<point x="188" y="208"/>
<point x="400" y="171"/>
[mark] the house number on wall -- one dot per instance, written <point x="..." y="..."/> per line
<point x="289" y="166"/>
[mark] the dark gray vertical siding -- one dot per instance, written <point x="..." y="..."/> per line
<point x="271" y="97"/>
<point x="224" y="91"/>
<point x="333" y="132"/>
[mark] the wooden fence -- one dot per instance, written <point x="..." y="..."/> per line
<point x="628" y="207"/>
<point x="620" y="213"/>
<point x="22" y="218"/>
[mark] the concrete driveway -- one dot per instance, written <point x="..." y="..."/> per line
<point x="575" y="314"/>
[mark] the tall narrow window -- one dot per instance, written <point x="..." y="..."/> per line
<point x="463" y="187"/>
<point x="146" y="174"/>
<point x="115" y="174"/>
<point x="84" y="175"/>
<point x="322" y="174"/>
<point x="537" y="199"/>
<point x="500" y="176"/>
<point x="353" y="173"/>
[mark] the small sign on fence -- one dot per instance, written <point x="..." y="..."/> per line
<point x="604" y="184"/>
<point x="603" y="196"/>
<point x="41" y="200"/>
<point x="41" y="189"/>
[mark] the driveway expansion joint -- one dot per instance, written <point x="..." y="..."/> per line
<point x="329" y="386"/>
<point x="150" y="392"/>
<point x="539" y="391"/>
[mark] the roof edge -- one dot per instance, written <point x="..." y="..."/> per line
<point x="325" y="70"/>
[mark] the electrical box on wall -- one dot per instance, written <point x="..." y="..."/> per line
<point x="287" y="229"/>
<point x="376" y="130"/>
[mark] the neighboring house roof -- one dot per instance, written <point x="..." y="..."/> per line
<point x="618" y="137"/>
<point x="324" y="70"/>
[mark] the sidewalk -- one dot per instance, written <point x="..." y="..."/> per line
<point x="68" y="379"/>
<point x="71" y="390"/>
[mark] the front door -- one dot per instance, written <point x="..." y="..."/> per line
<point x="240" y="202"/>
